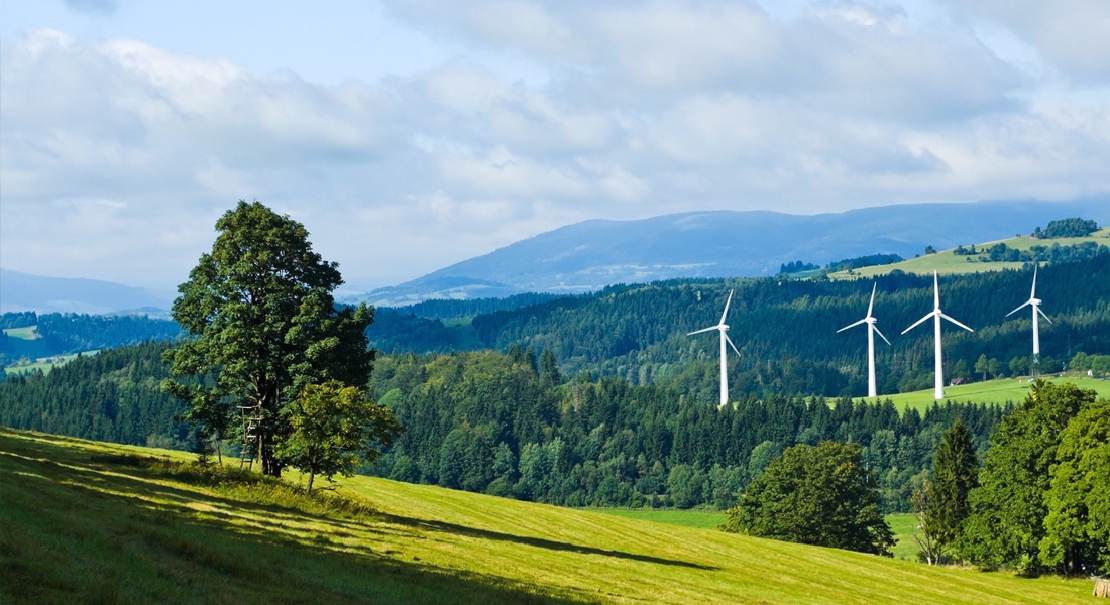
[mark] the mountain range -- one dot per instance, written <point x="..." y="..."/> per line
<point x="22" y="292"/>
<point x="590" y="255"/>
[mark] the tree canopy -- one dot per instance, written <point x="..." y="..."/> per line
<point x="815" y="495"/>
<point x="260" y="315"/>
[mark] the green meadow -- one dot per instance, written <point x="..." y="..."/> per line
<point x="45" y="364"/>
<point x="992" y="391"/>
<point x="901" y="523"/>
<point x="97" y="523"/>
<point x="946" y="262"/>
<point x="27" y="333"/>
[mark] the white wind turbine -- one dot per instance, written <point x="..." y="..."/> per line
<point x="872" y="330"/>
<point x="938" y="386"/>
<point x="722" y="329"/>
<point x="1035" y="303"/>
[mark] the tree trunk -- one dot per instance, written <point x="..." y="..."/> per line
<point x="311" y="476"/>
<point x="1102" y="588"/>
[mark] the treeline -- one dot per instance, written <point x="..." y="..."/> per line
<point x="1035" y="254"/>
<point x="786" y="329"/>
<point x="842" y="265"/>
<point x="442" y="308"/>
<point x="1069" y="227"/>
<point x="62" y="334"/>
<point x="509" y="425"/>
<point x="114" y="396"/>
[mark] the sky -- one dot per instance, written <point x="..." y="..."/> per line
<point x="409" y="135"/>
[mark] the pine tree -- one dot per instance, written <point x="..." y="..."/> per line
<point x="955" y="473"/>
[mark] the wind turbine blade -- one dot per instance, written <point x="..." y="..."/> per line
<point x="936" y="291"/>
<point x="702" y="331"/>
<point x="872" y="304"/>
<point x="876" y="329"/>
<point x="1033" y="290"/>
<point x="1043" y="315"/>
<point x="919" y="322"/>
<point x="862" y="321"/>
<point x="725" y="314"/>
<point x="733" y="346"/>
<point x="1019" y="308"/>
<point x="956" y="322"/>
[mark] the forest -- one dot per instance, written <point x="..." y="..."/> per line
<point x="786" y="329"/>
<point x="510" y="424"/>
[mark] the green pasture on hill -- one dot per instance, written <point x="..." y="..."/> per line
<point x="999" y="391"/>
<point x="27" y="333"/>
<point x="946" y="262"/>
<point x="96" y="523"/>
<point x="45" y="364"/>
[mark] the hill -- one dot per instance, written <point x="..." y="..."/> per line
<point x="950" y="262"/>
<point x="22" y="292"/>
<point x="153" y="530"/>
<point x="590" y="255"/>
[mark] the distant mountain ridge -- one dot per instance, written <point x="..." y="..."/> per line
<point x="590" y="255"/>
<point x="22" y="292"/>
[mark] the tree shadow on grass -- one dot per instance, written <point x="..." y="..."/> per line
<point x="454" y="528"/>
<point x="63" y="539"/>
<point x="145" y="468"/>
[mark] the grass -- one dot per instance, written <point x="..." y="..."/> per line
<point x="946" y="262"/>
<point x="992" y="391"/>
<point x="45" y="364"/>
<point x="27" y="333"/>
<point x="686" y="518"/>
<point x="901" y="524"/>
<point x="96" y="523"/>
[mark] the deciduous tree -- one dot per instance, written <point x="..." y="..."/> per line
<point x="260" y="315"/>
<point x="815" y="495"/>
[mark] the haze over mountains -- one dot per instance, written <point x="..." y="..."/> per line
<point x="592" y="254"/>
<point x="21" y="292"/>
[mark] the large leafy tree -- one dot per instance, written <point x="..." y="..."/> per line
<point x="818" y="495"/>
<point x="1008" y="509"/>
<point x="261" y="317"/>
<point x="1077" y="528"/>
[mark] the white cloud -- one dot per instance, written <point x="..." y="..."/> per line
<point x="119" y="154"/>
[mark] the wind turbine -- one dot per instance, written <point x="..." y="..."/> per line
<point x="1035" y="303"/>
<point x="872" y="330"/>
<point x="938" y="369"/>
<point x="722" y="329"/>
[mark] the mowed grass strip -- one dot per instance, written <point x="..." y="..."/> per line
<point x="86" y="522"/>
<point x="701" y="519"/>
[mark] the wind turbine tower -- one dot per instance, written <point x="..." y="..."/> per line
<point x="938" y="365"/>
<point x="722" y="329"/>
<point x="872" y="330"/>
<point x="1035" y="303"/>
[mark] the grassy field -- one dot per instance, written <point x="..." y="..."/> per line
<point x="700" y="519"/>
<point x="27" y="333"/>
<point x="95" y="523"/>
<point x="45" y="364"/>
<point x="992" y="391"/>
<point x="946" y="262"/>
<point x="902" y="524"/>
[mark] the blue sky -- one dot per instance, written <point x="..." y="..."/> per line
<point x="411" y="135"/>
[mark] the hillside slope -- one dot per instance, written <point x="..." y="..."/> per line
<point x="590" y="255"/>
<point x="82" y="521"/>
